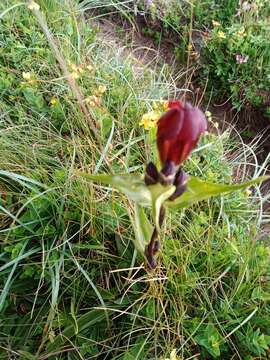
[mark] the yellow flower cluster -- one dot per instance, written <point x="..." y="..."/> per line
<point x="241" y="33"/>
<point x="221" y="35"/>
<point x="101" y="90"/>
<point x="150" y="119"/>
<point x="77" y="71"/>
<point x="95" y="100"/>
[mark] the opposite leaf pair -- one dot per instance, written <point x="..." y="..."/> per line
<point x="179" y="130"/>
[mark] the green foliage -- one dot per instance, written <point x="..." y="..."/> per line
<point x="210" y="339"/>
<point x="72" y="285"/>
<point x="229" y="45"/>
<point x="238" y="64"/>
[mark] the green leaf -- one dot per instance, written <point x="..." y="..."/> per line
<point x="198" y="190"/>
<point x="142" y="229"/>
<point x="210" y="339"/>
<point x="34" y="99"/>
<point x="132" y="185"/>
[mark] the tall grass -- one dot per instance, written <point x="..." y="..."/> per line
<point x="72" y="285"/>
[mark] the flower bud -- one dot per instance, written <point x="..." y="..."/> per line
<point x="178" y="133"/>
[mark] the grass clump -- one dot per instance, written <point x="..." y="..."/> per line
<point x="72" y="286"/>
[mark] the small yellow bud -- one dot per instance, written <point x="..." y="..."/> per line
<point x="208" y="114"/>
<point x="74" y="75"/>
<point x="89" y="67"/>
<point x="248" y="192"/>
<point x="221" y="35"/>
<point x="73" y="67"/>
<point x="53" y="101"/>
<point x="80" y="69"/>
<point x="102" y="89"/>
<point x="93" y="100"/>
<point x="241" y="33"/>
<point x="189" y="47"/>
<point x="165" y="105"/>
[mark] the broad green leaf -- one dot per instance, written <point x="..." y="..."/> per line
<point x="132" y="185"/>
<point x="142" y="228"/>
<point x="210" y="339"/>
<point x="198" y="190"/>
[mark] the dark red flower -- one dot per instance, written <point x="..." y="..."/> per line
<point x="179" y="130"/>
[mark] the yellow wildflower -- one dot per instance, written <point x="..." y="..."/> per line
<point x="241" y="32"/>
<point x="215" y="23"/>
<point x="53" y="101"/>
<point x="102" y="89"/>
<point x="73" y="67"/>
<point x="74" y="75"/>
<point x="27" y="76"/>
<point x="33" y="5"/>
<point x="248" y="192"/>
<point x="165" y="105"/>
<point x="80" y="69"/>
<point x="173" y="355"/>
<point x="76" y="70"/>
<point x="149" y="119"/>
<point x="221" y="35"/>
<point x="161" y="105"/>
<point x="93" y="100"/>
<point x="208" y="114"/>
<point x="189" y="47"/>
<point x="89" y="67"/>
<point x="155" y="105"/>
